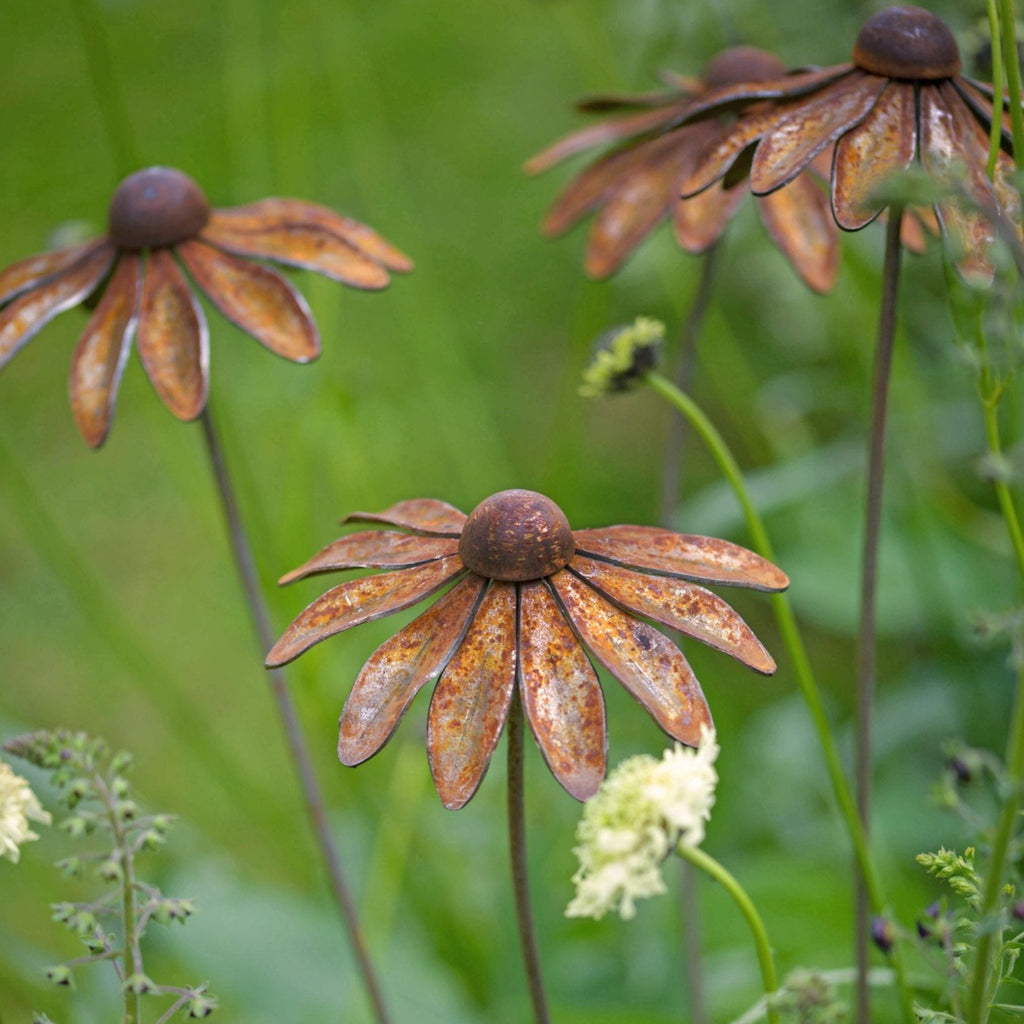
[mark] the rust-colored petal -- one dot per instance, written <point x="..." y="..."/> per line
<point x="737" y="95"/>
<point x="812" y="124"/>
<point x="172" y="337"/>
<point x="707" y="559"/>
<point x="306" y="235"/>
<point x="374" y="549"/>
<point x="701" y="220"/>
<point x="254" y="298"/>
<point x="471" y="700"/>
<point x="31" y="271"/>
<point x="980" y="97"/>
<point x="636" y="203"/>
<point x="951" y="136"/>
<point x="422" y="515"/>
<point x="25" y="316"/>
<point x="102" y="351"/>
<point x="610" y="130"/>
<point x="399" y="669"/>
<point x="561" y="694"/>
<point x="645" y="661"/>
<point x="358" y="601"/>
<point x="679" y="605"/>
<point x="882" y="144"/>
<point x="800" y="221"/>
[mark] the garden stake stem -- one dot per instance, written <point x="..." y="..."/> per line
<point x="798" y="655"/>
<point x="517" y="853"/>
<point x="866" y="638"/>
<point x="246" y="566"/>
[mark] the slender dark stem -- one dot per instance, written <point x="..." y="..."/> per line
<point x="286" y="709"/>
<point x="682" y="371"/>
<point x="689" y="908"/>
<point x="517" y="852"/>
<point x="866" y="641"/>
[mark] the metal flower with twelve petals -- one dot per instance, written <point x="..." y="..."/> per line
<point x="159" y="219"/>
<point x="901" y="100"/>
<point x="531" y="599"/>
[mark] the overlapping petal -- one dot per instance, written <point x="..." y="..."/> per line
<point x="472" y="697"/>
<point x="27" y="273"/>
<point x="424" y="515"/>
<point x="374" y="549"/>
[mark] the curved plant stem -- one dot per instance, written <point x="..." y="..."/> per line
<point x="682" y="371"/>
<point x="517" y="852"/>
<point x="867" y="633"/>
<point x="793" y="641"/>
<point x="1011" y="64"/>
<point x="314" y="803"/>
<point x="711" y="867"/>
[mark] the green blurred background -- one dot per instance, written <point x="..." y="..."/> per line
<point x="120" y="611"/>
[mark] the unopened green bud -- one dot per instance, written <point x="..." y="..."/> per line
<point x="110" y="870"/>
<point x="59" y="974"/>
<point x="139" y="984"/>
<point x="622" y="356"/>
<point x="126" y="810"/>
<point x="201" y="1005"/>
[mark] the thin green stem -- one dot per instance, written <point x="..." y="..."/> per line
<point x="766" y="961"/>
<point x="793" y="641"/>
<point x="867" y="640"/>
<point x="517" y="853"/>
<point x="107" y="87"/>
<point x="1008" y="41"/>
<point x="314" y="804"/>
<point x="996" y="127"/>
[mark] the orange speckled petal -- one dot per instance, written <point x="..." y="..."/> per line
<point x="636" y="203"/>
<point x="29" y="272"/>
<point x="102" y="351"/>
<point x="374" y="549"/>
<point x="598" y="134"/>
<point x="680" y="554"/>
<point x="399" y="669"/>
<point x="260" y="302"/>
<point x="358" y="601"/>
<point x="882" y="144"/>
<point x="422" y="515"/>
<point x="645" y="661"/>
<point x="801" y="224"/>
<point x="701" y="220"/>
<point x="172" y="338"/>
<point x="471" y="700"/>
<point x="561" y="694"/>
<point x="679" y="605"/>
<point x="30" y="312"/>
<point x="815" y="122"/>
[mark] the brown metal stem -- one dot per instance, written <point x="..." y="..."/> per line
<point x="517" y="851"/>
<point x="866" y="641"/>
<point x="312" y="796"/>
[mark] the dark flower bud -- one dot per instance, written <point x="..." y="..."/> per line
<point x="881" y="934"/>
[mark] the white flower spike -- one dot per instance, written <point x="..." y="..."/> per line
<point x="643" y="811"/>
<point x="18" y="805"/>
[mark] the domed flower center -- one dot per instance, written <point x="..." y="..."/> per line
<point x="907" y="42"/>
<point x="156" y="207"/>
<point x="742" y="64"/>
<point x="516" y="536"/>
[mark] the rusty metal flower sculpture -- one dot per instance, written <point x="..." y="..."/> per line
<point x="902" y="100"/>
<point x="638" y="184"/>
<point x="159" y="220"/>
<point x="531" y="598"/>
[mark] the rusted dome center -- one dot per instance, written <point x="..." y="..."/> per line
<point x="907" y="42"/>
<point x="155" y="207"/>
<point x="742" y="64"/>
<point x="516" y="536"/>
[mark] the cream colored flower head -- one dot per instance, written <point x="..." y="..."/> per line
<point x="643" y="811"/>
<point x="18" y="805"/>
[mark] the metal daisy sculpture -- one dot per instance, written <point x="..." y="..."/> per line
<point x="163" y="242"/>
<point x="531" y="603"/>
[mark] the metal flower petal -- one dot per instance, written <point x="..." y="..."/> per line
<point x="157" y="216"/>
<point x="532" y="603"/>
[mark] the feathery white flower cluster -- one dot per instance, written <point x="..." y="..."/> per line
<point x="643" y="811"/>
<point x="18" y="804"/>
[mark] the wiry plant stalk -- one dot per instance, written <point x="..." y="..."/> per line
<point x="246" y="566"/>
<point x="867" y="633"/>
<point x="517" y="852"/>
